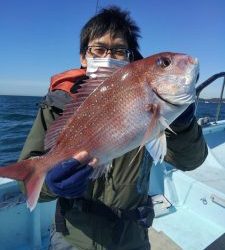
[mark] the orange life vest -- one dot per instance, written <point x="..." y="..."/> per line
<point x="65" y="80"/>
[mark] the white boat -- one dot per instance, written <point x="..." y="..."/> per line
<point x="189" y="206"/>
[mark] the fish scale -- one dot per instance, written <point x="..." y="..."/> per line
<point x="116" y="104"/>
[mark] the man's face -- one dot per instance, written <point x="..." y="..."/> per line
<point x="107" y="46"/>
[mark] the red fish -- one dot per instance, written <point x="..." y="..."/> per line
<point x="113" y="114"/>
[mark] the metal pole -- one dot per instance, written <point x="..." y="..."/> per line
<point x="221" y="99"/>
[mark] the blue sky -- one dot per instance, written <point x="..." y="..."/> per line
<point x="41" y="38"/>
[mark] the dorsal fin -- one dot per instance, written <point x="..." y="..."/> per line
<point x="83" y="92"/>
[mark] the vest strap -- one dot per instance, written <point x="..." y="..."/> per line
<point x="60" y="222"/>
<point x="143" y="215"/>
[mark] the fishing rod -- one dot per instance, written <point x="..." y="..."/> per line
<point x="97" y="6"/>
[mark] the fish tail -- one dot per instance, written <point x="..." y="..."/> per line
<point x="28" y="172"/>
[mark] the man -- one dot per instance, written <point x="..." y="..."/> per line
<point x="114" y="211"/>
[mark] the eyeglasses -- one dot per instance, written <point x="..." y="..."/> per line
<point x="117" y="53"/>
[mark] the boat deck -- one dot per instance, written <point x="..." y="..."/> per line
<point x="159" y="239"/>
<point x="197" y="197"/>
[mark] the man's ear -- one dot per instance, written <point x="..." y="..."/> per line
<point x="83" y="61"/>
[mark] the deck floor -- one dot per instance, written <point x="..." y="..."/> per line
<point x="161" y="241"/>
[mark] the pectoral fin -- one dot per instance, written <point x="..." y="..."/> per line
<point x="157" y="148"/>
<point x="165" y="124"/>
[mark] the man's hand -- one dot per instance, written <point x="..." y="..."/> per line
<point x="184" y="120"/>
<point x="69" y="178"/>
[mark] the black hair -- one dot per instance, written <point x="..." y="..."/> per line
<point x="110" y="20"/>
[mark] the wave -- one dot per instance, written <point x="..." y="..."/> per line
<point x="16" y="117"/>
<point x="9" y="141"/>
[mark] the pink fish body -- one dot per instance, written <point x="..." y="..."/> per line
<point x="114" y="114"/>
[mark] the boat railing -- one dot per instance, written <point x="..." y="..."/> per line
<point x="206" y="83"/>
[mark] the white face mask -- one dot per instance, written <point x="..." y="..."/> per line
<point x="94" y="63"/>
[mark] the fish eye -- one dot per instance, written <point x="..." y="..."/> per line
<point x="163" y="62"/>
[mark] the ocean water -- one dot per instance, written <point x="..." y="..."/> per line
<point x="17" y="114"/>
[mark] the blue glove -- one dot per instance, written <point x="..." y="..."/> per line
<point x="68" y="178"/>
<point x="184" y="120"/>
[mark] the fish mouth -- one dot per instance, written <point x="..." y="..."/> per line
<point x="161" y="98"/>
